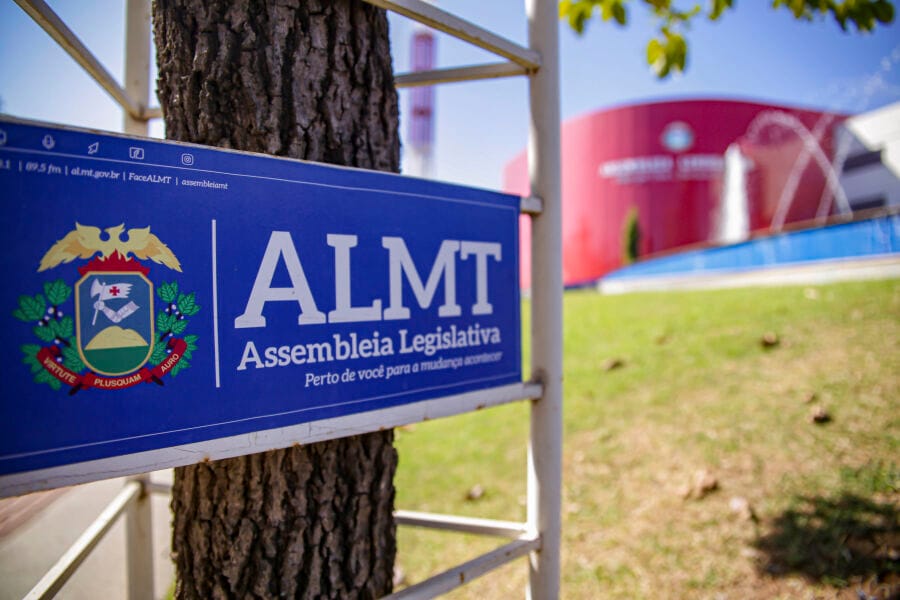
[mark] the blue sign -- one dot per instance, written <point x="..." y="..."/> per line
<point x="159" y="294"/>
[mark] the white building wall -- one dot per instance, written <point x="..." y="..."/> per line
<point x="873" y="132"/>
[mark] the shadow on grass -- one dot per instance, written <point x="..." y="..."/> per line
<point x="847" y="540"/>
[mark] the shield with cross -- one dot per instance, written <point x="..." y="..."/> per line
<point x="114" y="320"/>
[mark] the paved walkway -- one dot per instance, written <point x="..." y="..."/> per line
<point x="35" y="530"/>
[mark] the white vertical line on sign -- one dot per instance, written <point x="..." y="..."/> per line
<point x="215" y="300"/>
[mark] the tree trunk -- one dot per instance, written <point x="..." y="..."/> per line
<point x="309" y="80"/>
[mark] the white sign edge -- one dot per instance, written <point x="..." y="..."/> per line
<point x="15" y="484"/>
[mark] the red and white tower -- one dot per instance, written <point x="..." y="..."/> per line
<point x="421" y="101"/>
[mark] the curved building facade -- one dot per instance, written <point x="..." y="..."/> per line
<point x="647" y="178"/>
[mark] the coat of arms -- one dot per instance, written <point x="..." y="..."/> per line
<point x="105" y="331"/>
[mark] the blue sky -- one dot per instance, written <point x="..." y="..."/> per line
<point x="752" y="53"/>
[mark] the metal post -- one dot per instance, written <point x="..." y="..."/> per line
<point x="137" y="62"/>
<point x="139" y="543"/>
<point x="545" y="448"/>
<point x="139" y="518"/>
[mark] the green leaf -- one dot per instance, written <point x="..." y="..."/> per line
<point x="187" y="304"/>
<point x="607" y="8"/>
<point x="884" y="11"/>
<point x="45" y="377"/>
<point x="669" y="54"/>
<point x="676" y="51"/>
<point x="655" y="52"/>
<point x="72" y="360"/>
<point x="30" y="349"/>
<point x="180" y="366"/>
<point x="191" y="341"/>
<point x="45" y="333"/>
<point x="619" y="13"/>
<point x="165" y="322"/>
<point x="577" y="12"/>
<point x="718" y="7"/>
<point x="159" y="353"/>
<point x="178" y="327"/>
<point x="30" y="308"/>
<point x="168" y="292"/>
<point x="864" y="14"/>
<point x="29" y="357"/>
<point x="57" y="292"/>
<point x="64" y="328"/>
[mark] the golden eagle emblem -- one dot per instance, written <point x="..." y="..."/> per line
<point x="85" y="241"/>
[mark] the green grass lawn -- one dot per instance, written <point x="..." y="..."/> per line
<point x="798" y="509"/>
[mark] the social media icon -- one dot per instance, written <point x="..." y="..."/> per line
<point x="187" y="159"/>
<point x="48" y="142"/>
<point x="136" y="153"/>
<point x="94" y="148"/>
<point x="2" y="137"/>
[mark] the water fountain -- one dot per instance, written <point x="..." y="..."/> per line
<point x="812" y="150"/>
<point x="733" y="223"/>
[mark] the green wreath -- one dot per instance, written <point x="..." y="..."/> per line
<point x="56" y="328"/>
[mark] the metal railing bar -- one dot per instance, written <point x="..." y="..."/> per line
<point x="138" y="521"/>
<point x="50" y="22"/>
<point x="154" y="112"/>
<point x="459" y="28"/>
<point x="507" y="529"/>
<point x="531" y="205"/>
<point x="136" y="78"/>
<point x="158" y="487"/>
<point x="466" y="572"/>
<point x="455" y="74"/>
<point x="65" y="567"/>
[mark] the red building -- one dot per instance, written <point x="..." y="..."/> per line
<point x="663" y="164"/>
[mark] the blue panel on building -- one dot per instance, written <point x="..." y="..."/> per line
<point x="857" y="240"/>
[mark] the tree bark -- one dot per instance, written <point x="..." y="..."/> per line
<point x="309" y="80"/>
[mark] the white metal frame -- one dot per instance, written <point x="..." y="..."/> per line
<point x="539" y="537"/>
